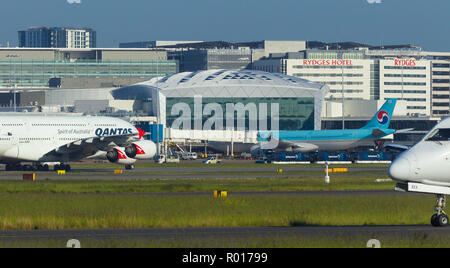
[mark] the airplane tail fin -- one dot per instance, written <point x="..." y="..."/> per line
<point x="382" y="118"/>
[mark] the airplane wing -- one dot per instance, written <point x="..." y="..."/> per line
<point x="282" y="145"/>
<point x="397" y="147"/>
<point x="378" y="133"/>
<point x="404" y="130"/>
<point x="90" y="146"/>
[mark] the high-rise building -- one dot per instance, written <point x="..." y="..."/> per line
<point x="57" y="37"/>
<point x="420" y="78"/>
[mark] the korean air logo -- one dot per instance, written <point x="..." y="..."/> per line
<point x="383" y="117"/>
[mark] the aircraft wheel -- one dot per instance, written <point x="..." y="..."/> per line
<point x="62" y="167"/>
<point x="434" y="220"/>
<point x="442" y="220"/>
<point x="67" y="168"/>
<point x="129" y="167"/>
<point x="57" y="167"/>
<point x="46" y="168"/>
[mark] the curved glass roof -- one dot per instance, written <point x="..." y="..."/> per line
<point x="222" y="82"/>
<point x="228" y="77"/>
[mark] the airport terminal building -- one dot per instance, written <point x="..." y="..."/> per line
<point x="201" y="105"/>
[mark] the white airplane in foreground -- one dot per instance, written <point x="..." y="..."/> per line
<point x="425" y="168"/>
<point x="63" y="139"/>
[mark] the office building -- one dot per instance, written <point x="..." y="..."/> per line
<point x="417" y="77"/>
<point x="81" y="68"/>
<point x="57" y="37"/>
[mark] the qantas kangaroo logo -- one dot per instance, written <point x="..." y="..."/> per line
<point x="140" y="151"/>
<point x="121" y="154"/>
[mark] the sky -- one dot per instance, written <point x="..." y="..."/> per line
<point x="377" y="22"/>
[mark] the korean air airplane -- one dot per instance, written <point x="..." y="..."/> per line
<point x="331" y="140"/>
<point x="40" y="139"/>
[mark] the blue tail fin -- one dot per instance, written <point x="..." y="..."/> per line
<point x="382" y="118"/>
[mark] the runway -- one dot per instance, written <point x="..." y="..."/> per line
<point x="191" y="173"/>
<point x="198" y="234"/>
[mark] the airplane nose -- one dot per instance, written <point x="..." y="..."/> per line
<point x="400" y="169"/>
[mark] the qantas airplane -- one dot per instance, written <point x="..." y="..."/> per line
<point x="425" y="168"/>
<point x="331" y="140"/>
<point x="41" y="139"/>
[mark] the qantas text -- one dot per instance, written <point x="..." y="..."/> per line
<point x="100" y="132"/>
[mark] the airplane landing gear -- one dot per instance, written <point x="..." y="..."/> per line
<point x="440" y="219"/>
<point x="19" y="167"/>
<point x="65" y="167"/>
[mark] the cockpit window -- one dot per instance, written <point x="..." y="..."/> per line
<point x="442" y="134"/>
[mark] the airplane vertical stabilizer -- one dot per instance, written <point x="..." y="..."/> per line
<point x="382" y="118"/>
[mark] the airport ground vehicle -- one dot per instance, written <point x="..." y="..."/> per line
<point x="38" y="140"/>
<point x="173" y="159"/>
<point x="263" y="160"/>
<point x="189" y="156"/>
<point x="211" y="161"/>
<point x="160" y="159"/>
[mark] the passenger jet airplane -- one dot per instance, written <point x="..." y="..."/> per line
<point x="331" y="140"/>
<point x="425" y="168"/>
<point x="63" y="139"/>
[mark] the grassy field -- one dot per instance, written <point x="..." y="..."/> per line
<point x="313" y="183"/>
<point x="169" y="203"/>
<point x="31" y="211"/>
<point x="28" y="211"/>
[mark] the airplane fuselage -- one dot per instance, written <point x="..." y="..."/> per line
<point x="428" y="161"/>
<point x="425" y="168"/>
<point x="330" y="140"/>
<point x="30" y="137"/>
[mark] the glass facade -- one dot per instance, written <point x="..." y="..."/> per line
<point x="38" y="73"/>
<point x="294" y="113"/>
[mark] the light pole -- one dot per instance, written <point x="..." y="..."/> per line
<point x="15" y="88"/>
<point x="343" y="88"/>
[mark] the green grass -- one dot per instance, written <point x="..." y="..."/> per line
<point x="129" y="204"/>
<point x="313" y="183"/>
<point x="28" y="211"/>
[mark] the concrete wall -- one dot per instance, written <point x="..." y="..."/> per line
<point x="136" y="55"/>
<point x="97" y="106"/>
<point x="283" y="46"/>
<point x="67" y="97"/>
<point x="100" y="82"/>
<point x="360" y="108"/>
<point x="26" y="54"/>
<point x="32" y="98"/>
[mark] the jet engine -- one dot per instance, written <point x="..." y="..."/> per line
<point x="118" y="156"/>
<point x="141" y="150"/>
